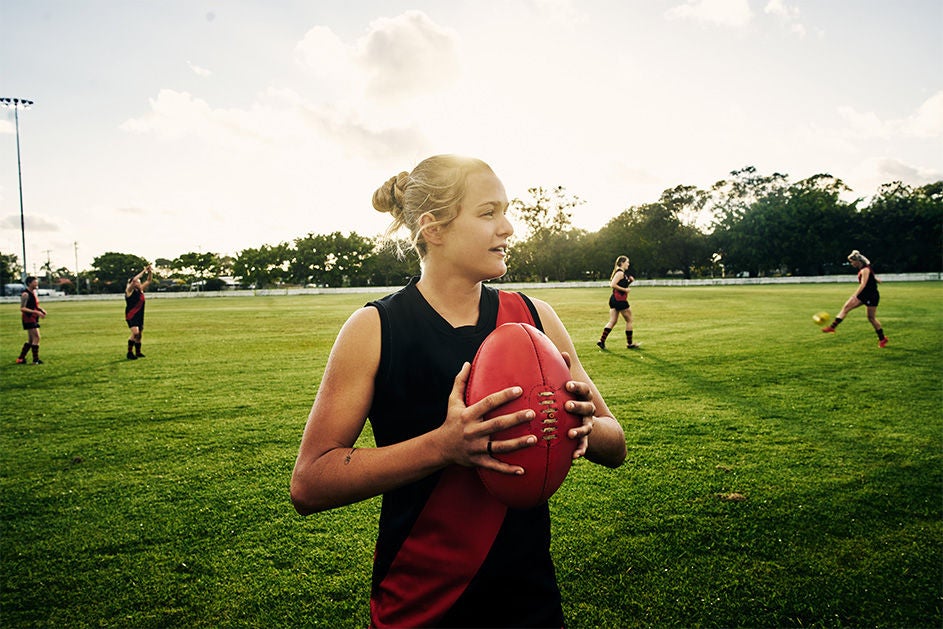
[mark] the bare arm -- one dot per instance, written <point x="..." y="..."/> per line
<point x="605" y="437"/>
<point x="24" y="300"/>
<point x="146" y="282"/>
<point x="130" y="287"/>
<point x="330" y="473"/>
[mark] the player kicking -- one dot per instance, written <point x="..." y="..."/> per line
<point x="866" y="295"/>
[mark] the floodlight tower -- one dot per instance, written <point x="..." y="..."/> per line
<point x="16" y="104"/>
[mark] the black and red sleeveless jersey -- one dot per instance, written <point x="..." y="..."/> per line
<point x="618" y="295"/>
<point x="448" y="553"/>
<point x="32" y="302"/>
<point x="870" y="290"/>
<point x="134" y="305"/>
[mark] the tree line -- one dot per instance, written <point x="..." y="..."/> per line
<point x="747" y="224"/>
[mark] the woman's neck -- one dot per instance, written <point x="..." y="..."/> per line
<point x="455" y="299"/>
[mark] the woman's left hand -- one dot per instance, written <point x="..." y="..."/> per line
<point x="582" y="406"/>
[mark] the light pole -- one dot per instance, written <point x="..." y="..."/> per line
<point x="16" y="104"/>
<point x="76" y="244"/>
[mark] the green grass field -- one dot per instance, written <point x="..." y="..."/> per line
<point x="776" y="477"/>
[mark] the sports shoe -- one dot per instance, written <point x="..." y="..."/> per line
<point x="600" y="345"/>
<point x="37" y="362"/>
<point x="139" y="355"/>
<point x="20" y="361"/>
<point x="633" y="345"/>
<point x="882" y="342"/>
<point x="131" y="356"/>
<point x="828" y="329"/>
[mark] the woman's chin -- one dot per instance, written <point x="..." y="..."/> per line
<point x="499" y="271"/>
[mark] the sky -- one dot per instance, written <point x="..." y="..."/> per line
<point x="166" y="127"/>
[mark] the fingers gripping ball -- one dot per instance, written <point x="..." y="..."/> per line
<point x="518" y="354"/>
<point x="821" y="318"/>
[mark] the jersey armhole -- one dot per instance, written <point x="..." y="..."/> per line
<point x="383" y="369"/>
<point x="533" y="311"/>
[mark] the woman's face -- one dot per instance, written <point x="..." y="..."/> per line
<point x="478" y="237"/>
<point x="856" y="263"/>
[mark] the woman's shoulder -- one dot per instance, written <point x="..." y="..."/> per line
<point x="360" y="334"/>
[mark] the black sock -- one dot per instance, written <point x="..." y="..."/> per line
<point x="628" y="337"/>
<point x="25" y="350"/>
<point x="35" y="349"/>
<point x="835" y="323"/>
<point x="137" y="348"/>
<point x="130" y="346"/>
<point x="605" y="334"/>
<point x="881" y="334"/>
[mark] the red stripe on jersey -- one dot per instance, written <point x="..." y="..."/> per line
<point x="136" y="308"/>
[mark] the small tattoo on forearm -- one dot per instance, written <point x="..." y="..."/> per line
<point x="349" y="454"/>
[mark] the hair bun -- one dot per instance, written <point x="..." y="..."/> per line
<point x="388" y="197"/>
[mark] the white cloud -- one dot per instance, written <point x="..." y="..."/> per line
<point x="788" y="15"/>
<point x="406" y="55"/>
<point x="734" y="13"/>
<point x="864" y="125"/>
<point x="177" y="115"/>
<point x="198" y="70"/>
<point x="324" y="53"/>
<point x="891" y="169"/>
<point x="870" y="174"/>
<point x="33" y="222"/>
<point x="925" y="123"/>
<point x="782" y="10"/>
<point x="561" y="11"/>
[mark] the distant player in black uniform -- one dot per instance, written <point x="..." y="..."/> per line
<point x="619" y="303"/>
<point x="865" y="295"/>
<point x="30" y="313"/>
<point x="134" y="311"/>
<point x="448" y="553"/>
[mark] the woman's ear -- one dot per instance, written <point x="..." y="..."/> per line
<point x="431" y="230"/>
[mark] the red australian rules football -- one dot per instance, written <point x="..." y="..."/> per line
<point x="518" y="354"/>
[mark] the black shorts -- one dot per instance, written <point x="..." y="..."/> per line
<point x="870" y="299"/>
<point x="618" y="305"/>
<point x="136" y="322"/>
<point x="31" y="325"/>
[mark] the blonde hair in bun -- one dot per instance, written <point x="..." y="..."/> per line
<point x="435" y="187"/>
<point x="857" y="256"/>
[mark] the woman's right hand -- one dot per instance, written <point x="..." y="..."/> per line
<point x="466" y="433"/>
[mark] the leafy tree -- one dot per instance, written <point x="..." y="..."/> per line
<point x="793" y="229"/>
<point x="390" y="264"/>
<point x="814" y="224"/>
<point x="655" y="239"/>
<point x="265" y="266"/>
<point x="332" y="260"/>
<point x="111" y="271"/>
<point x="543" y="250"/>
<point x="197" y="266"/>
<point x="739" y="239"/>
<point x="9" y="269"/>
<point x="901" y="230"/>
